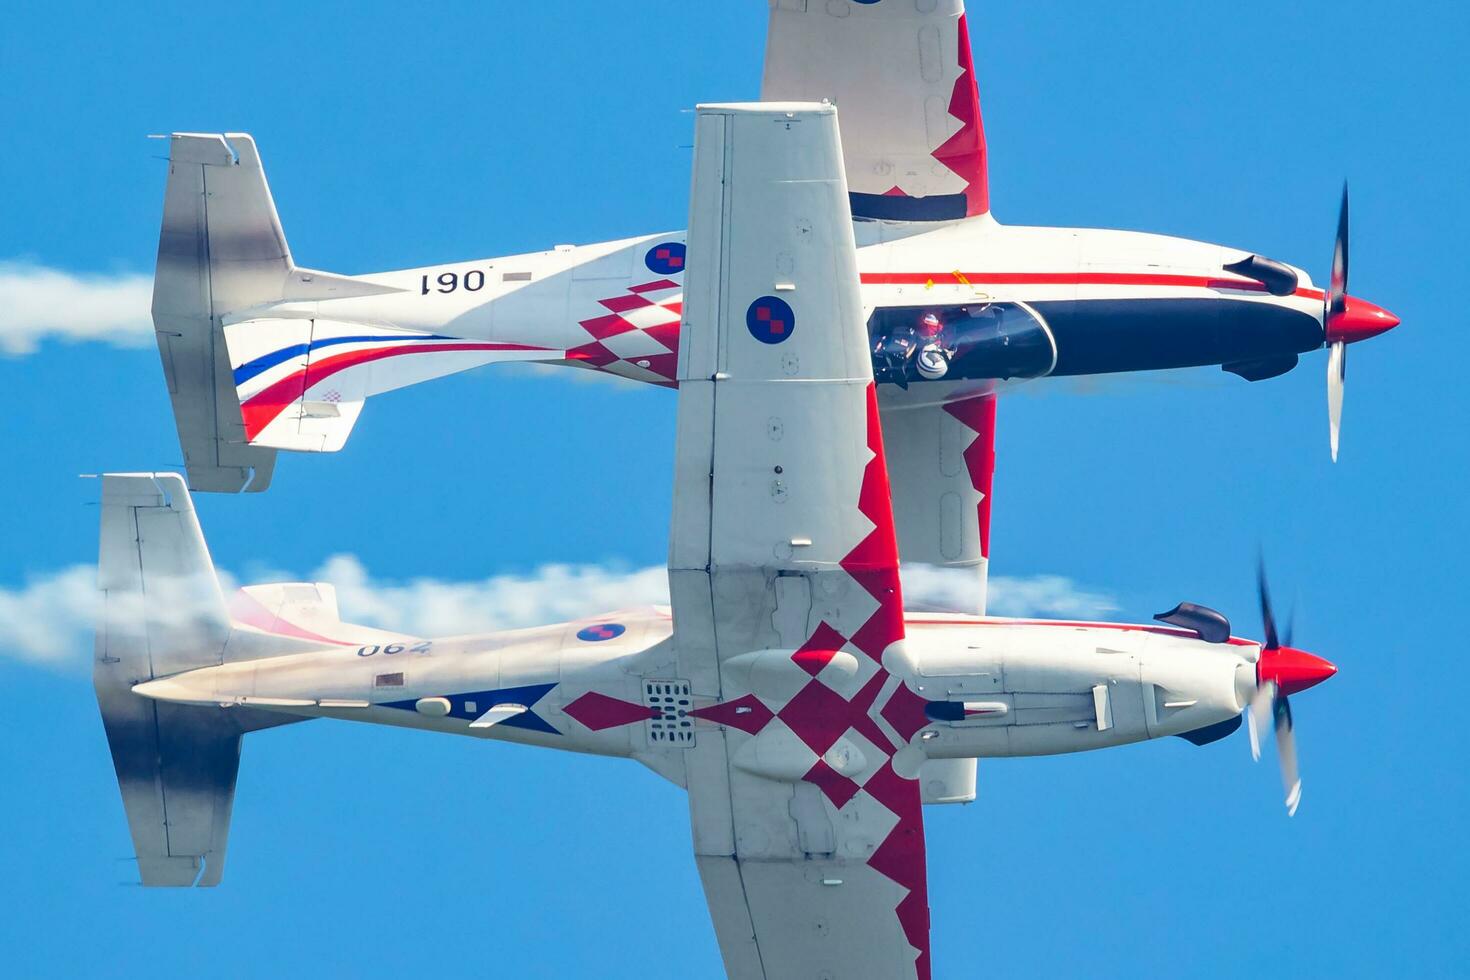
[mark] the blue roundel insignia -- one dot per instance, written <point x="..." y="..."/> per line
<point x="867" y="1"/>
<point x="666" y="258"/>
<point x="770" y="319"/>
<point x="602" y="631"/>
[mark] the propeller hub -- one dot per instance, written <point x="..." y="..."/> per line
<point x="1358" y="320"/>
<point x="1292" y="670"/>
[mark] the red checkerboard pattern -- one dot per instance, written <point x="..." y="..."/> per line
<point x="665" y="255"/>
<point x="638" y="337"/>
<point x="763" y="314"/>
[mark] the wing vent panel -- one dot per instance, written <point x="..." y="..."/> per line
<point x="673" y="724"/>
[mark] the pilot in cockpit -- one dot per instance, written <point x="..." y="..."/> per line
<point x="924" y="344"/>
<point x="935" y="348"/>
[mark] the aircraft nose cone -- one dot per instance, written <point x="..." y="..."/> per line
<point x="1359" y="321"/>
<point x="1293" y="670"/>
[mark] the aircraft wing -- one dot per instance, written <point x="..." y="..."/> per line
<point x="803" y="790"/>
<point x="903" y="77"/>
<point x="941" y="460"/>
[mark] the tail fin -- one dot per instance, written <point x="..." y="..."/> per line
<point x="221" y="251"/>
<point x="163" y="613"/>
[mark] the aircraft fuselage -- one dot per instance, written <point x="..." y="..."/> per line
<point x="982" y="688"/>
<point x="1016" y="303"/>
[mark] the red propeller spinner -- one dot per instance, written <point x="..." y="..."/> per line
<point x="1292" y="670"/>
<point x="1358" y="320"/>
<point x="1281" y="671"/>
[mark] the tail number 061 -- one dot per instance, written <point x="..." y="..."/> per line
<point x="448" y="282"/>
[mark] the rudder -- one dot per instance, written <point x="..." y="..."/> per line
<point x="163" y="613"/>
<point x="222" y="251"/>
<point x="221" y="245"/>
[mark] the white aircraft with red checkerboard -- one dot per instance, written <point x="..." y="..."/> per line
<point x="785" y="688"/>
<point x="262" y="355"/>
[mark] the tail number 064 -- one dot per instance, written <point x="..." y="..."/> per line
<point x="388" y="649"/>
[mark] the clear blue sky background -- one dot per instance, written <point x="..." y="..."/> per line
<point x="396" y="136"/>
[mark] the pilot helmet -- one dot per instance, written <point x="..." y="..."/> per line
<point x="932" y="363"/>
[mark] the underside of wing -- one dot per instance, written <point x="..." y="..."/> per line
<point x="941" y="460"/>
<point x="810" y="890"/>
<point x="804" y="795"/>
<point x="903" y="77"/>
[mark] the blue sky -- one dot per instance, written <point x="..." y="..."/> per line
<point x="395" y="137"/>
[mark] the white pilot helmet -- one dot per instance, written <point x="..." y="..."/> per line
<point x="932" y="362"/>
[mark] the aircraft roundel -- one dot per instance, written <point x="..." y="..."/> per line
<point x="666" y="258"/>
<point x="770" y="319"/>
<point x="601" y="631"/>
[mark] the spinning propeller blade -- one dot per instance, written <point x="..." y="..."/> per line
<point x="1268" y="620"/>
<point x="1291" y="780"/>
<point x="1334" y="304"/>
<point x="1345" y="320"/>
<point x="1281" y="670"/>
<point x="1256" y="714"/>
<point x="1336" y="298"/>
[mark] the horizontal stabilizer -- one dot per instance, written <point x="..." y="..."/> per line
<point x="305" y="611"/>
<point x="301" y="383"/>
